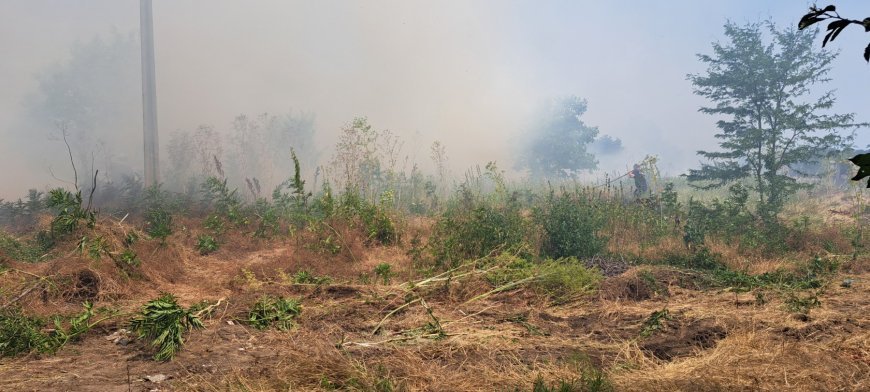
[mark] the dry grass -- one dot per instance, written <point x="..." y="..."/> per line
<point x="714" y="339"/>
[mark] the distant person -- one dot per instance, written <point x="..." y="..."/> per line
<point x="640" y="187"/>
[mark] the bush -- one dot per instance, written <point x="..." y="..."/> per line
<point x="566" y="279"/>
<point x="30" y="251"/>
<point x="375" y="220"/>
<point x="571" y="226"/>
<point x="158" y="216"/>
<point x="20" y="334"/>
<point x="562" y="280"/>
<point x="475" y="230"/>
<point x="306" y="277"/>
<point x="277" y="312"/>
<point x="385" y="272"/>
<point x="70" y="212"/>
<point x="164" y="322"/>
<point x="206" y="244"/>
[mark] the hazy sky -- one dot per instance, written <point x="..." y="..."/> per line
<point x="463" y="72"/>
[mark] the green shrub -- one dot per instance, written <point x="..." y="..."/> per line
<point x="277" y="312"/>
<point x="226" y="203"/>
<point x="306" y="277"/>
<point x="206" y="244"/>
<point x="571" y="226"/>
<point x="385" y="272"/>
<point x="566" y="279"/>
<point x="158" y="215"/>
<point x="374" y="219"/>
<point x="562" y="280"/>
<point x="70" y="212"/>
<point x="164" y="322"/>
<point x="653" y="323"/>
<point x="475" y="229"/>
<point x="129" y="257"/>
<point x="20" y="334"/>
<point x="30" y="251"/>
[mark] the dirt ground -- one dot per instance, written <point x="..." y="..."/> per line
<point x="346" y="338"/>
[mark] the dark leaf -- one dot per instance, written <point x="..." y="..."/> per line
<point x="809" y="20"/>
<point x="867" y="53"/>
<point x="838" y="24"/>
<point x="827" y="37"/>
<point x="866" y="23"/>
<point x="830" y="8"/>
<point x="837" y="32"/>
<point x="863" y="163"/>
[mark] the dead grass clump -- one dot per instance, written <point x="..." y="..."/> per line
<point x="639" y="284"/>
<point x="678" y="337"/>
<point x="749" y="361"/>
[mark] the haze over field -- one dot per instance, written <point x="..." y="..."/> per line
<point x="466" y="73"/>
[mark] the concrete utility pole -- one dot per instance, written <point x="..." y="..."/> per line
<point x="149" y="94"/>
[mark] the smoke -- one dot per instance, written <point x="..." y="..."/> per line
<point x="467" y="74"/>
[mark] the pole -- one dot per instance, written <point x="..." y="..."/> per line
<point x="149" y="94"/>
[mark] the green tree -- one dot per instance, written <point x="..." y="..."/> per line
<point x="760" y="82"/>
<point x="559" y="141"/>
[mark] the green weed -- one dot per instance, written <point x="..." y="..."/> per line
<point x="164" y="323"/>
<point x="206" y="244"/>
<point x="277" y="312"/>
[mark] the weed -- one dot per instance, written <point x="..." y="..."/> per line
<point x="305" y="277"/>
<point x="475" y="229"/>
<point x="570" y="226"/>
<point x="20" y="334"/>
<point x="226" y="203"/>
<point x="206" y="244"/>
<point x="653" y="323"/>
<point x="70" y="212"/>
<point x="164" y="322"/>
<point x="802" y="304"/>
<point x="130" y="238"/>
<point x="158" y="218"/>
<point x="129" y="257"/>
<point x="30" y="251"/>
<point x="562" y="280"/>
<point x="214" y="224"/>
<point x="384" y="271"/>
<point x="277" y="312"/>
<point x="591" y="380"/>
<point x="566" y="279"/>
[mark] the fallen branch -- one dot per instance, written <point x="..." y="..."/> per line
<point x="405" y="305"/>
<point x="400" y="339"/>
<point x="501" y="288"/>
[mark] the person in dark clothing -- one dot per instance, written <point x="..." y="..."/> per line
<point x="640" y="187"/>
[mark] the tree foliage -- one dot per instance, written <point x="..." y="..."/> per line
<point x="95" y="96"/>
<point x="760" y="82"/>
<point x="560" y="140"/>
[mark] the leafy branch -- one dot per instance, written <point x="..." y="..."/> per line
<point x="835" y="27"/>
